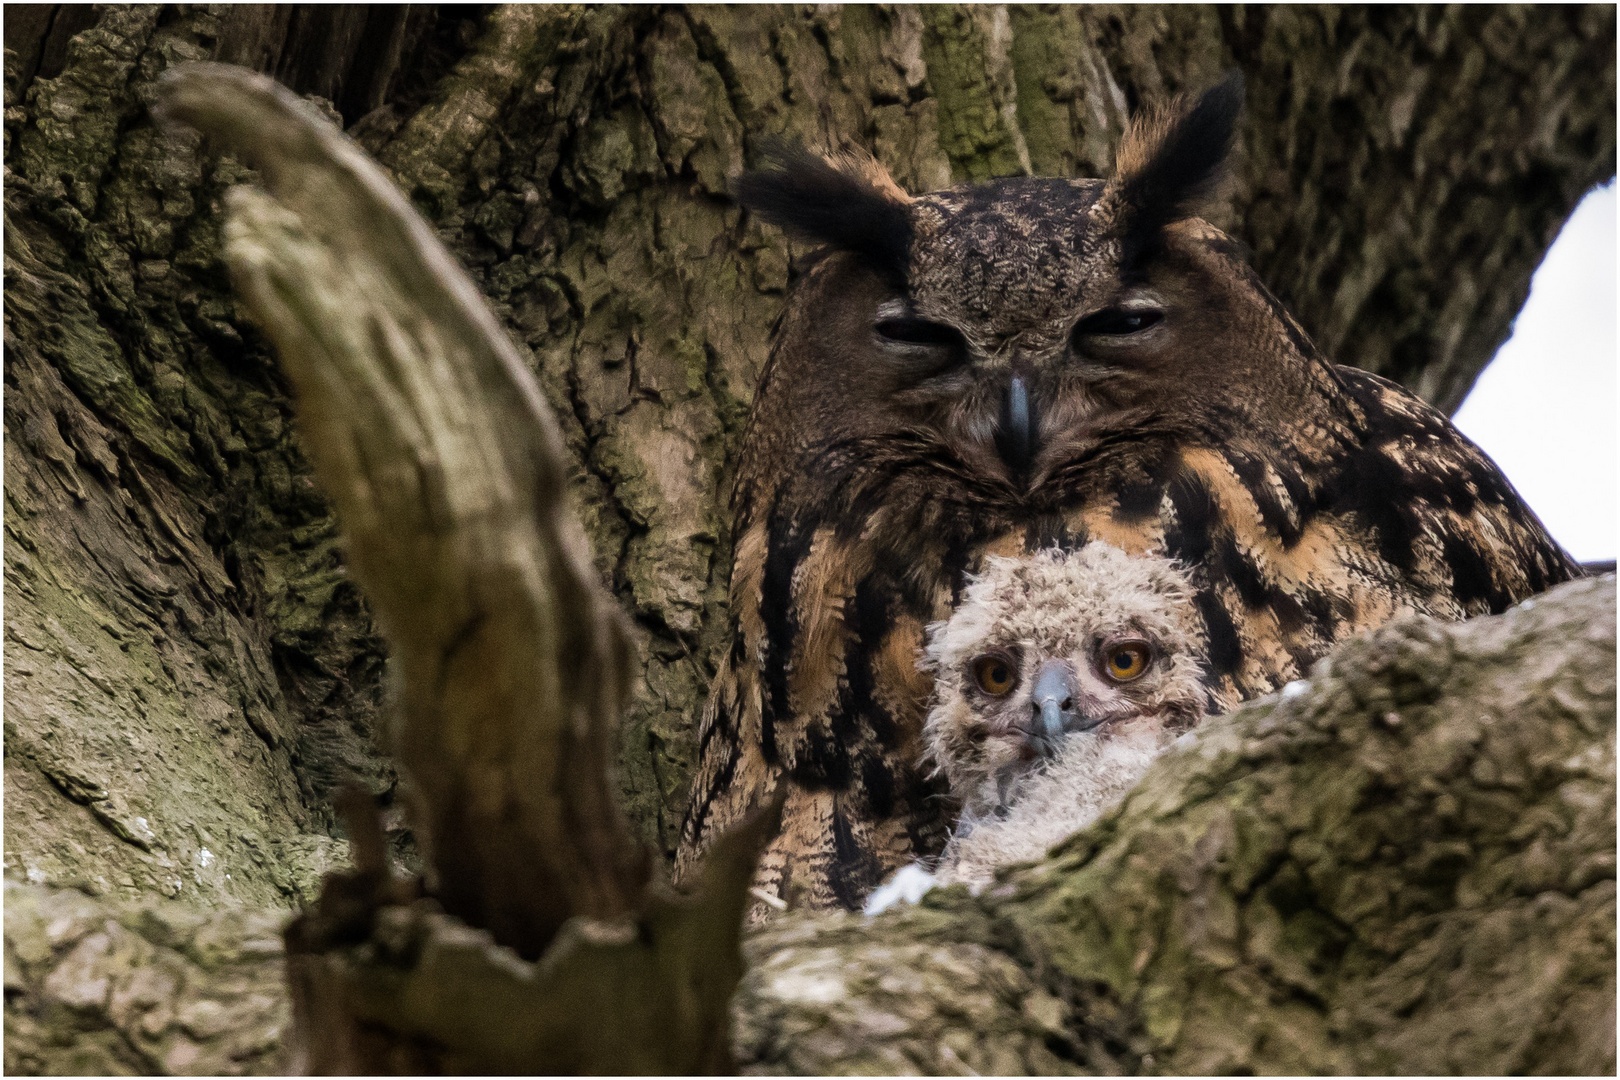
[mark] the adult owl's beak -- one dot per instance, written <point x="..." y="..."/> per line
<point x="1056" y="701"/>
<point x="1015" y="438"/>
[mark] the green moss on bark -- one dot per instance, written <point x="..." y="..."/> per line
<point x="576" y="159"/>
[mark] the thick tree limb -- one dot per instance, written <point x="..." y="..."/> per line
<point x="448" y="475"/>
<point x="1406" y="868"/>
<point x="1405" y="865"/>
<point x="102" y="987"/>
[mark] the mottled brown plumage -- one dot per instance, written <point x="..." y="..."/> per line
<point x="1029" y="362"/>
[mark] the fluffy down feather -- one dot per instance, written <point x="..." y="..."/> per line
<point x="1021" y="792"/>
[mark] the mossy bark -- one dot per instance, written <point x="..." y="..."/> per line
<point x="191" y="672"/>
<point x="1405" y="865"/>
<point x="118" y="987"/>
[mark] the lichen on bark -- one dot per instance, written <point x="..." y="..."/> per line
<point x="118" y="987"/>
<point x="1404" y="865"/>
<point x="187" y="667"/>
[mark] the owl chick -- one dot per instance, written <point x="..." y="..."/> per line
<point x="989" y="370"/>
<point x="1056" y="644"/>
<point x="1057" y="681"/>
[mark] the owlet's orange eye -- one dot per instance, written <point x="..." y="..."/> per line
<point x="995" y="675"/>
<point x="1126" y="661"/>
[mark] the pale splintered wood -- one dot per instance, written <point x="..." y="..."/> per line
<point x="542" y="948"/>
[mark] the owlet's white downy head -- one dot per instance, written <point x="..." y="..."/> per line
<point x="1058" y="680"/>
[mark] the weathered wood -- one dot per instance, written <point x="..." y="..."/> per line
<point x="1406" y="867"/>
<point x="447" y="472"/>
<point x="545" y="946"/>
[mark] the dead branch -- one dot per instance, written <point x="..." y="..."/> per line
<point x="448" y="474"/>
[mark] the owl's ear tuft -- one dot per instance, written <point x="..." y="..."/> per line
<point x="845" y="200"/>
<point x="1168" y="163"/>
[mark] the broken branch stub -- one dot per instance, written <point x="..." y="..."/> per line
<point x="545" y="945"/>
<point x="448" y="474"/>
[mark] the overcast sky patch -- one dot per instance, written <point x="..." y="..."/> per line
<point x="1545" y="406"/>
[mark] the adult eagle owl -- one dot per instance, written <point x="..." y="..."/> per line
<point x="999" y="368"/>
<point x="1057" y="680"/>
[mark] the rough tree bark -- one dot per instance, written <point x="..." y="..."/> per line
<point x="1407" y="868"/>
<point x="449" y="475"/>
<point x="190" y="671"/>
<point x="1344" y="878"/>
<point x="175" y="593"/>
<point x="1403" y="865"/>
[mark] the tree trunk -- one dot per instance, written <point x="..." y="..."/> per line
<point x="190" y="671"/>
<point x="174" y="579"/>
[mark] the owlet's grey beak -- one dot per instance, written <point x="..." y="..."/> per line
<point x="1055" y="701"/>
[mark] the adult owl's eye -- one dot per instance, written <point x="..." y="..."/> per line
<point x="912" y="331"/>
<point x="995" y="675"/>
<point x="1117" y="322"/>
<point x="1126" y="661"/>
